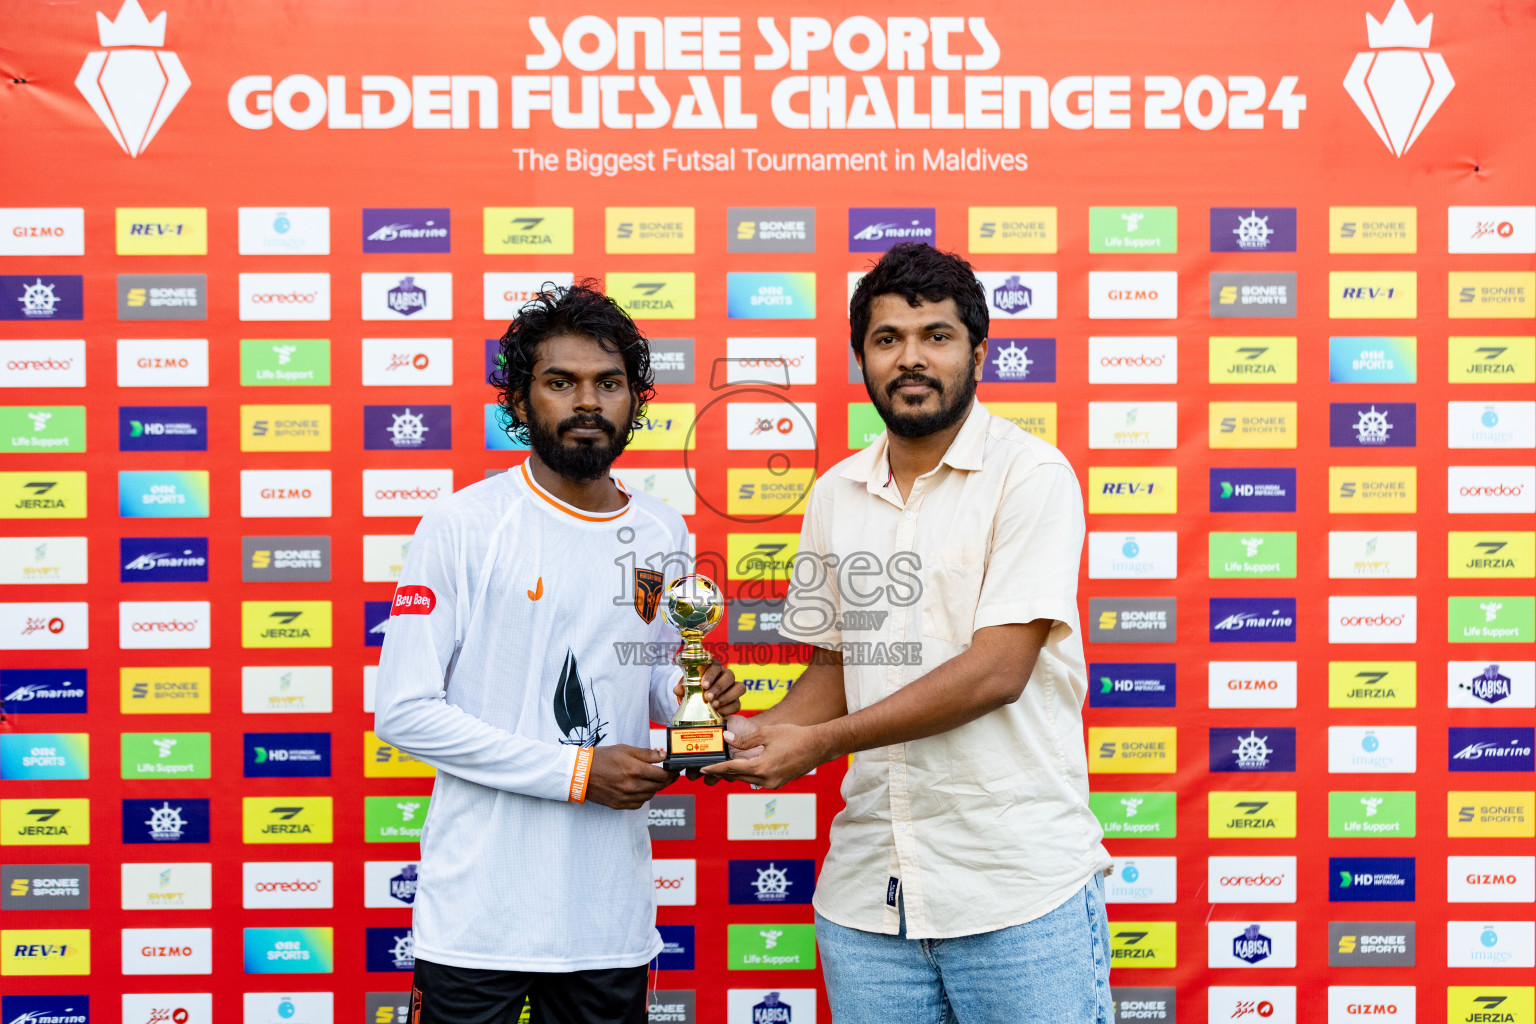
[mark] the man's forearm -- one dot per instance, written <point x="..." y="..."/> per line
<point x="816" y="697"/>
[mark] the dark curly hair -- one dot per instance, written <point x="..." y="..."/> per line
<point x="582" y="310"/>
<point x="918" y="272"/>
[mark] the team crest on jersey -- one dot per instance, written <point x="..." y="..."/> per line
<point x="647" y="592"/>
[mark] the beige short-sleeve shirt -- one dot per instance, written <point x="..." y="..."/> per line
<point x="985" y="826"/>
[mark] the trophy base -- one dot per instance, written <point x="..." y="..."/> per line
<point x="694" y="746"/>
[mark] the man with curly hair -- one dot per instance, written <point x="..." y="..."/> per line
<point x="501" y="669"/>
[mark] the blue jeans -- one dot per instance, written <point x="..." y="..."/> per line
<point x="1052" y="970"/>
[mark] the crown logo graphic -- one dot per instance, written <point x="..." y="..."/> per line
<point x="134" y="90"/>
<point x="1398" y="85"/>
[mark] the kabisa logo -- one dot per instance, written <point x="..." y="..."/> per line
<point x="165" y="821"/>
<point x="412" y="230"/>
<point x="133" y="86"/>
<point x="876" y="229"/>
<point x="51" y="691"/>
<point x="406" y="298"/>
<point x="1012" y="296"/>
<point x="1488" y="686"/>
<point x="1020" y="361"/>
<point x="402" y="886"/>
<point x="1252" y="946"/>
<point x="1253" y="620"/>
<point x="1490" y="749"/>
<point x="1398" y="85"/>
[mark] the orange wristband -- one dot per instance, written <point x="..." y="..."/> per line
<point x="580" y="775"/>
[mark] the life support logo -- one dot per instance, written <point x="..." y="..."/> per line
<point x="413" y="600"/>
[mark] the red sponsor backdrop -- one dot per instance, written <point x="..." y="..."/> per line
<point x="1310" y="157"/>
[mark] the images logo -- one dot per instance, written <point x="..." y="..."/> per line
<point x="1253" y="229"/>
<point x="134" y="90"/>
<point x="1399" y="84"/>
<point x="285" y="230"/>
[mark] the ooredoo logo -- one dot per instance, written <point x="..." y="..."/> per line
<point x="404" y="492"/>
<point x="285" y="296"/>
<point x="1252" y="879"/>
<point x="1491" y="489"/>
<point x="1133" y="361"/>
<point x="1376" y="620"/>
<point x="297" y="885"/>
<point x="413" y="600"/>
<point x="163" y="624"/>
<point x="43" y="364"/>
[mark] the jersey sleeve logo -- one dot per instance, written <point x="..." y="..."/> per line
<point x="413" y="600"/>
<point x="647" y="593"/>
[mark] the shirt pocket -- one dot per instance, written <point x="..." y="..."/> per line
<point x="951" y="592"/>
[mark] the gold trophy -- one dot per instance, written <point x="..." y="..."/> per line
<point x="696" y="734"/>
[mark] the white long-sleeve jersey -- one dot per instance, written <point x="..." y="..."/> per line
<point x="518" y="637"/>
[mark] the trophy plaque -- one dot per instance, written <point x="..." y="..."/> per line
<point x="694" y="605"/>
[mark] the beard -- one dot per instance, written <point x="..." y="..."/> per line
<point x="583" y="458"/>
<point x="954" y="402"/>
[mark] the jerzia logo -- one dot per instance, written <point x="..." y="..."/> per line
<point x="1398" y="85"/>
<point x="134" y="86"/>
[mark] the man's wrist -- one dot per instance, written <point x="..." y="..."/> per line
<point x="831" y="740"/>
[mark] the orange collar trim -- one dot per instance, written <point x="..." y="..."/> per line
<point x="571" y="510"/>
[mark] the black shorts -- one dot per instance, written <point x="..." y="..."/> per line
<point x="467" y="995"/>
